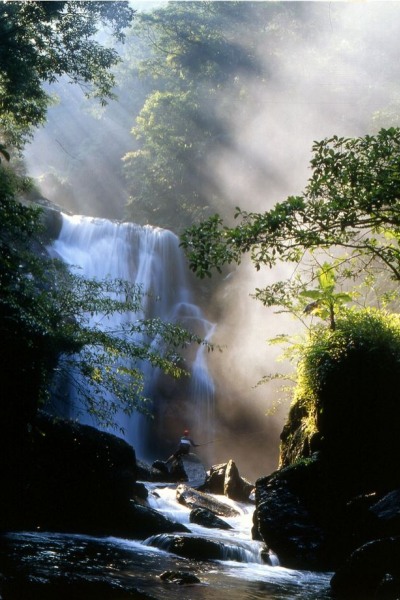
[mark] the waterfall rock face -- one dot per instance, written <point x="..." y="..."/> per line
<point x="151" y="259"/>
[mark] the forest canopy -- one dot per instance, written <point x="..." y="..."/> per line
<point x="40" y="42"/>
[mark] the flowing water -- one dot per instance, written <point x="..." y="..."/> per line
<point x="47" y="565"/>
<point x="135" y="566"/>
<point x="150" y="258"/>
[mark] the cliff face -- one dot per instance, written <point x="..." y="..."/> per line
<point x="337" y="488"/>
<point x="357" y="417"/>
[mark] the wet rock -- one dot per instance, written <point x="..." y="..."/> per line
<point x="140" y="492"/>
<point x="143" y="521"/>
<point x="199" y="548"/>
<point x="158" y="471"/>
<point x="371" y="572"/>
<point x="177" y="471"/>
<point x="195" y="499"/>
<point x="387" y="513"/>
<point x="206" y="518"/>
<point x="214" y="483"/>
<point x="287" y="522"/>
<point x="64" y="588"/>
<point x="79" y="479"/>
<point x="236" y="487"/>
<point x="224" y="479"/>
<point x="179" y="577"/>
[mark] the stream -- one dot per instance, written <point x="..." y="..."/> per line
<point x="48" y="565"/>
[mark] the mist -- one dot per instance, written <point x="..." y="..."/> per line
<point x="341" y="80"/>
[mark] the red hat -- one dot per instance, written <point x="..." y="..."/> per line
<point x="186" y="432"/>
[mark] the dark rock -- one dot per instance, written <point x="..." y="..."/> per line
<point x="77" y="479"/>
<point x="199" y="548"/>
<point x="161" y="466"/>
<point x="287" y="521"/>
<point x="177" y="470"/>
<point x="388" y="589"/>
<point x="206" y="518"/>
<point x="235" y="487"/>
<point x="387" y="513"/>
<point x="81" y="480"/>
<point x="195" y="499"/>
<point x="140" y="492"/>
<point x="224" y="479"/>
<point x="143" y="521"/>
<point x="52" y="222"/>
<point x="179" y="577"/>
<point x="214" y="483"/>
<point x="373" y="568"/>
<point x="192" y="547"/>
<point x="64" y="587"/>
<point x="155" y="472"/>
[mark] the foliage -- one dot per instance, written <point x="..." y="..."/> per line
<point x="46" y="311"/>
<point x="43" y="41"/>
<point x="196" y="69"/>
<point x="350" y="202"/>
<point x="347" y="369"/>
<point x="167" y="165"/>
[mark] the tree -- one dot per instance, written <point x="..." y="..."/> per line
<point x="44" y="41"/>
<point x="196" y="69"/>
<point x="351" y="205"/>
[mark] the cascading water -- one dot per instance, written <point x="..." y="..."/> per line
<point x="150" y="258"/>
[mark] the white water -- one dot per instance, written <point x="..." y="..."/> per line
<point x="151" y="258"/>
<point x="136" y="565"/>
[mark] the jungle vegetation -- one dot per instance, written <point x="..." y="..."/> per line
<point x="44" y="308"/>
<point x="185" y="71"/>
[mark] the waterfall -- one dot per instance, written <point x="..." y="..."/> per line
<point x="151" y="258"/>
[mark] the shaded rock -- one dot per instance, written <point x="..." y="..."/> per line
<point x="193" y="547"/>
<point x="143" y="521"/>
<point x="387" y="513"/>
<point x="199" y="548"/>
<point x="177" y="470"/>
<point x="206" y="518"/>
<point x="373" y="568"/>
<point x="140" y="492"/>
<point x="195" y="499"/>
<point x="179" y="577"/>
<point x="287" y="522"/>
<point x="235" y="487"/>
<point x="155" y="472"/>
<point x="224" y="479"/>
<point x="214" y="482"/>
<point x="77" y="479"/>
<point x="64" y="587"/>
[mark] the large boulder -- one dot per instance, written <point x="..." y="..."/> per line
<point x="224" y="479"/>
<point x="200" y="548"/>
<point x="142" y="521"/>
<point x="288" y="522"/>
<point x="76" y="478"/>
<point x="206" y="518"/>
<point x="194" y="499"/>
<point x="372" y="572"/>
<point x="79" y="479"/>
<point x="236" y="487"/>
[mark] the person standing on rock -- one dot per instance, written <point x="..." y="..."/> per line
<point x="185" y="443"/>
